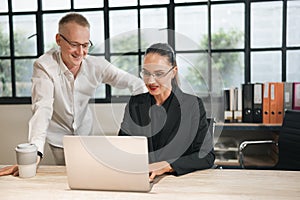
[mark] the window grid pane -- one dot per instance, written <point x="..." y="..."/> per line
<point x="122" y="3"/>
<point x="56" y="4"/>
<point x="123" y="31"/>
<point x="231" y="68"/>
<point x="228" y="26"/>
<point x="266" y="24"/>
<point x="266" y="66"/>
<point x="293" y="23"/>
<point x="24" y="5"/>
<point x="191" y="24"/>
<point x="127" y="63"/>
<point x="192" y="70"/>
<point x="3" y="6"/>
<point x="23" y="77"/>
<point x="153" y="26"/>
<point x="24" y="35"/>
<point x="153" y="2"/>
<point x="5" y="75"/>
<point x="293" y="60"/>
<point x="4" y="36"/>
<point x="78" y="4"/>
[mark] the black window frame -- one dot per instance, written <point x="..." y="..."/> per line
<point x="247" y="50"/>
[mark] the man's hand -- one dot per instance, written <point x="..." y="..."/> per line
<point x="9" y="170"/>
<point x="14" y="170"/>
<point x="159" y="168"/>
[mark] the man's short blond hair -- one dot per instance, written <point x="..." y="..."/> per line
<point x="73" y="17"/>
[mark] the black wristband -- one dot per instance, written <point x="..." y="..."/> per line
<point x="40" y="154"/>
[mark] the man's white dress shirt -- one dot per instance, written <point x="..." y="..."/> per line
<point x="60" y="102"/>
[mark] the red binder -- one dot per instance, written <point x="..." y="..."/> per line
<point x="296" y="96"/>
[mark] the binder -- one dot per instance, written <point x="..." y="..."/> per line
<point x="288" y="96"/>
<point x="228" y="115"/>
<point x="279" y="101"/>
<point x="276" y="102"/>
<point x="237" y="113"/>
<point x="266" y="103"/>
<point x="296" y="96"/>
<point x="273" y="106"/>
<point x="257" y="102"/>
<point x="231" y="99"/>
<point x="247" y="90"/>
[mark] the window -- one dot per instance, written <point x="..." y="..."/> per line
<point x="218" y="43"/>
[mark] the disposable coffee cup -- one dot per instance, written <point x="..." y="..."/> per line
<point x="26" y="160"/>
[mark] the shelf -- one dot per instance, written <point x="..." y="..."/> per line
<point x="235" y="149"/>
<point x="229" y="162"/>
<point x="248" y="126"/>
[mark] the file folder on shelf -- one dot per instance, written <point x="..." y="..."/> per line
<point x="247" y="90"/>
<point x="266" y="103"/>
<point x="276" y="102"/>
<point x="257" y="102"/>
<point x="273" y="106"/>
<point x="228" y="113"/>
<point x="296" y="96"/>
<point x="280" y="102"/>
<point x="237" y="113"/>
<point x="288" y="96"/>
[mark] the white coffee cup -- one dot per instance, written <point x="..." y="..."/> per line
<point x="26" y="159"/>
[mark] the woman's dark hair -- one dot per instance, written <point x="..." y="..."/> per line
<point x="165" y="50"/>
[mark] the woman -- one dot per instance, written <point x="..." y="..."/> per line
<point x="174" y="122"/>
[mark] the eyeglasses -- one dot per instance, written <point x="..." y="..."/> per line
<point x="156" y="75"/>
<point x="76" y="45"/>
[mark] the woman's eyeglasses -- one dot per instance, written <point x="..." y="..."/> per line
<point x="156" y="75"/>
<point x="76" y="45"/>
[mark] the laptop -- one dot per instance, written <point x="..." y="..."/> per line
<point x="115" y="163"/>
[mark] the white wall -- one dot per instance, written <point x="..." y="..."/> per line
<point x="14" y="127"/>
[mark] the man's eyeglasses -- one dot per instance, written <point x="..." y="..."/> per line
<point x="157" y="75"/>
<point x="76" y="45"/>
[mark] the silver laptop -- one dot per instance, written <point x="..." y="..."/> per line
<point x="107" y="163"/>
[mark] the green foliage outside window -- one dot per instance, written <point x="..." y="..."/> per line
<point x="228" y="65"/>
<point x="23" y="67"/>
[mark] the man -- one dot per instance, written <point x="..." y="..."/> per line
<point x="63" y="81"/>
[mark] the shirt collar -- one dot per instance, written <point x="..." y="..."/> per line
<point x="64" y="68"/>
<point x="62" y="65"/>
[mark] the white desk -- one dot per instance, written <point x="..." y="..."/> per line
<point x="51" y="183"/>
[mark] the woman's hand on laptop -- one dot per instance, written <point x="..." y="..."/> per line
<point x="159" y="168"/>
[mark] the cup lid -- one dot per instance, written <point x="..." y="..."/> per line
<point x="26" y="147"/>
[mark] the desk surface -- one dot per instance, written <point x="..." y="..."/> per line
<point x="51" y="183"/>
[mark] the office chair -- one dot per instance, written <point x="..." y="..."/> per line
<point x="211" y="128"/>
<point x="288" y="143"/>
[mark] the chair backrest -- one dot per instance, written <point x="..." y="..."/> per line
<point x="289" y="142"/>
<point x="209" y="138"/>
<point x="211" y="125"/>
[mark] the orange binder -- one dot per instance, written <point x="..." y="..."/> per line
<point x="266" y="103"/>
<point x="280" y="102"/>
<point x="273" y="104"/>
